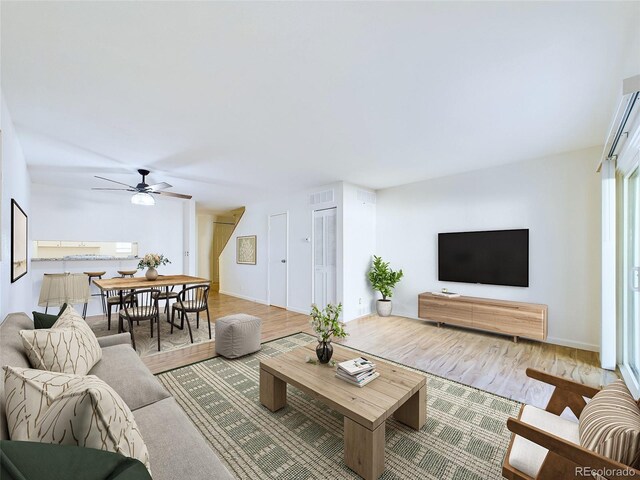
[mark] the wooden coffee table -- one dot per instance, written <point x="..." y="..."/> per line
<point x="397" y="391"/>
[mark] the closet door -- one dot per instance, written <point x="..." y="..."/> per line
<point x="324" y="257"/>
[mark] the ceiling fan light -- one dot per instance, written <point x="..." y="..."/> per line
<point x="141" y="198"/>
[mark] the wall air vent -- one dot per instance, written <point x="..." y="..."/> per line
<point x="321" y="197"/>
<point x="366" y="196"/>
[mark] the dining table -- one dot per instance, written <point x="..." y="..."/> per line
<point x="122" y="284"/>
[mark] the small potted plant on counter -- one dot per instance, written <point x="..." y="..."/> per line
<point x="326" y="325"/>
<point x="383" y="280"/>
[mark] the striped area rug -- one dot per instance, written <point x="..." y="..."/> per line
<point x="465" y="437"/>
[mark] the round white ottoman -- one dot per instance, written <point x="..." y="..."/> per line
<point x="237" y="335"/>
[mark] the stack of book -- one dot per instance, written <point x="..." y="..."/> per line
<point x="358" y="371"/>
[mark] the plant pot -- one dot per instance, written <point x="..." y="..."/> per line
<point x="383" y="307"/>
<point x="151" y="274"/>
<point x="324" y="351"/>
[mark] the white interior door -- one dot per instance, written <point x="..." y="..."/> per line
<point x="278" y="236"/>
<point x="324" y="257"/>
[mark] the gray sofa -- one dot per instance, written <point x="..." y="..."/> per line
<point x="176" y="447"/>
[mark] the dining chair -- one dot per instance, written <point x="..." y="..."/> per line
<point x="167" y="295"/>
<point x="143" y="306"/>
<point x="112" y="299"/>
<point x="192" y="300"/>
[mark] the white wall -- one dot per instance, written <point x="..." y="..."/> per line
<point x="15" y="297"/>
<point x="189" y="238"/>
<point x="359" y="234"/>
<point x="557" y="199"/>
<point x="250" y="281"/>
<point x="85" y="215"/>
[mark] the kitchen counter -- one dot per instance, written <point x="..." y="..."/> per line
<point x="82" y="258"/>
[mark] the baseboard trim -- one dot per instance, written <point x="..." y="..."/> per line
<point x="359" y="317"/>
<point x="243" y="297"/>
<point x="552" y="340"/>
<point x="298" y="310"/>
<point x="570" y="343"/>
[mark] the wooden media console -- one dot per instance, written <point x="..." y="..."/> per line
<point x="516" y="319"/>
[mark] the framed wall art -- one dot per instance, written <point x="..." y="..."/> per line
<point x="246" y="250"/>
<point x="19" y="241"/>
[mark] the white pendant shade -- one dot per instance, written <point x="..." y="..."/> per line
<point x="143" y="199"/>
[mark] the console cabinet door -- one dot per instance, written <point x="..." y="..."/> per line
<point x="517" y="321"/>
<point x="446" y="311"/>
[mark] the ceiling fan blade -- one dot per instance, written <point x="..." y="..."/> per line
<point x="113" y="181"/>
<point x="116" y="189"/>
<point x="171" y="194"/>
<point x="159" y="186"/>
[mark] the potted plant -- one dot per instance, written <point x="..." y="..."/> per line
<point x="326" y="325"/>
<point x="150" y="261"/>
<point x="383" y="280"/>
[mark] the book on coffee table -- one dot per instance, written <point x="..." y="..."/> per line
<point x="356" y="366"/>
<point x="359" y="383"/>
<point x="358" y="371"/>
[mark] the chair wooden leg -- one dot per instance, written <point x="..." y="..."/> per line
<point x="109" y="320"/>
<point x="209" y="322"/>
<point x="182" y="315"/>
<point x="197" y="319"/>
<point x="151" y="323"/>
<point x="158" y="319"/>
<point x="188" y="325"/>
<point x="173" y="315"/>
<point x="133" y="338"/>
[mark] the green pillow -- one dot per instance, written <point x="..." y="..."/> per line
<point x="46" y="461"/>
<point x="43" y="320"/>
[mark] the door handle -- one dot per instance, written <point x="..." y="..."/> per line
<point x="635" y="279"/>
<point x="283" y="261"/>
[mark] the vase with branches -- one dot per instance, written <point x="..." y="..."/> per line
<point x="383" y="279"/>
<point x="325" y="322"/>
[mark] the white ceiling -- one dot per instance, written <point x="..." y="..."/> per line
<point x="235" y="102"/>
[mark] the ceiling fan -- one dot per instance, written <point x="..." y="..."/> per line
<point x="143" y="192"/>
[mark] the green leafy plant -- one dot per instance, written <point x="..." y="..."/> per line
<point x="325" y="322"/>
<point x="382" y="278"/>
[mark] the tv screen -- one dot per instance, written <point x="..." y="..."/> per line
<point x="498" y="257"/>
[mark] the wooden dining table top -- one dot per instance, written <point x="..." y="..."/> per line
<point x="128" y="283"/>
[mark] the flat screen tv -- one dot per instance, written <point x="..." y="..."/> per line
<point x="498" y="257"/>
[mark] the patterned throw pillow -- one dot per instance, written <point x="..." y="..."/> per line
<point x="70" y="409"/>
<point x="610" y="425"/>
<point x="28" y="395"/>
<point x="70" y="346"/>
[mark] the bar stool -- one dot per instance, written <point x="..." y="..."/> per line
<point x="91" y="276"/>
<point x="127" y="273"/>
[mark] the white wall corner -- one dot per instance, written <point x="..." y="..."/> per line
<point x="190" y="238"/>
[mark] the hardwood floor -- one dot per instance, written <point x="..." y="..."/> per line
<point x="482" y="360"/>
<point x="276" y="323"/>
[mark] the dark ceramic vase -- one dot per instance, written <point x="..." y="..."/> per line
<point x="324" y="351"/>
